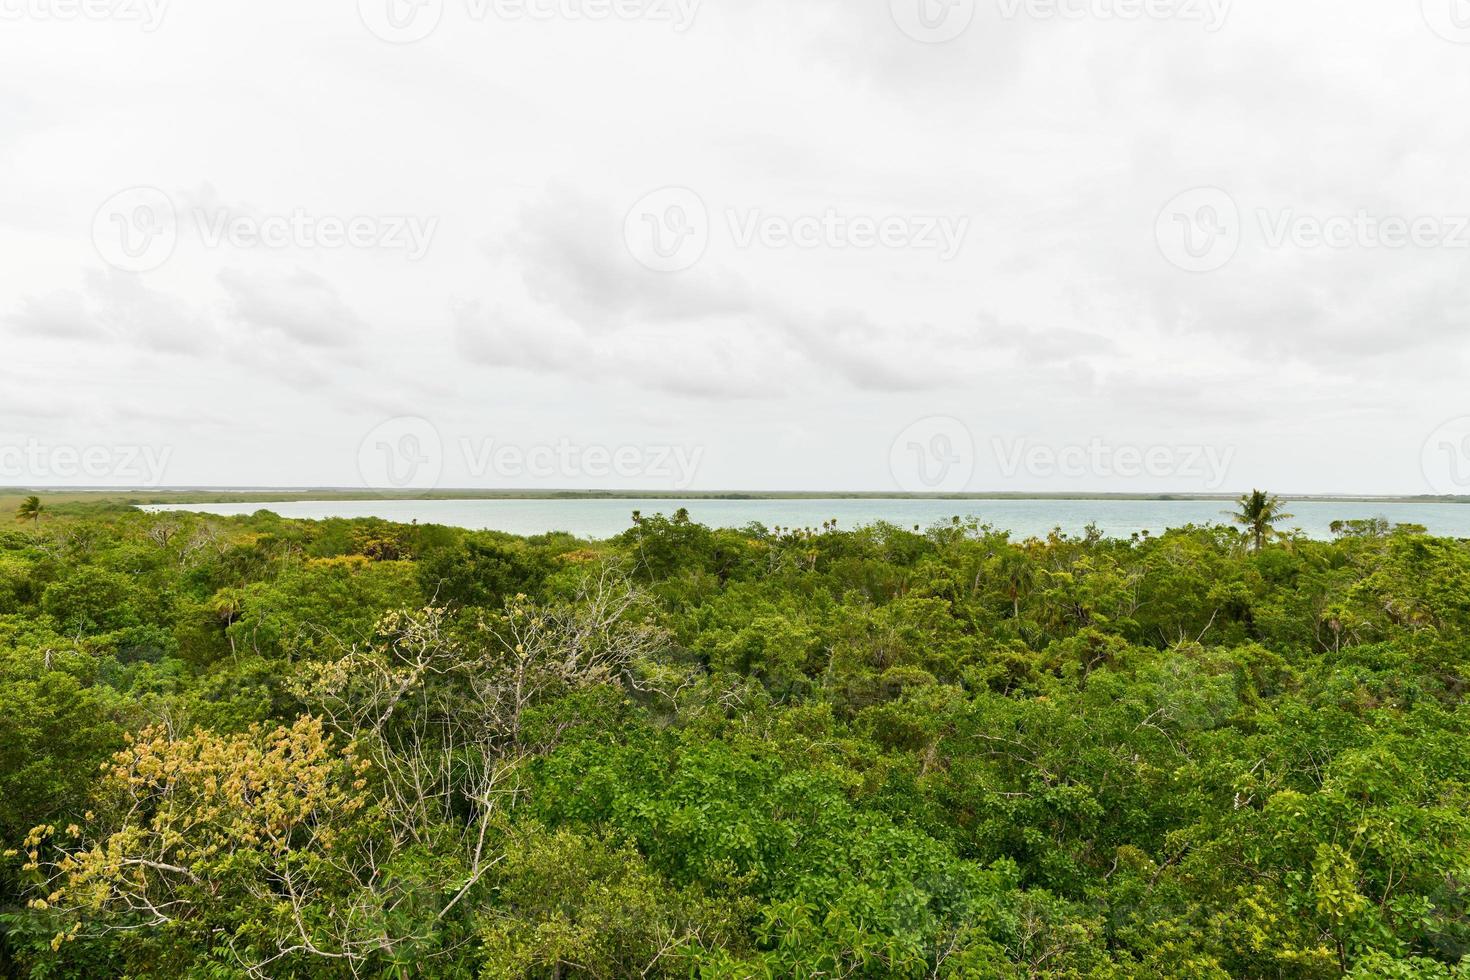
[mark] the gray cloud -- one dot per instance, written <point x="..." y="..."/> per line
<point x="115" y="307"/>
<point x="299" y="307"/>
<point x="724" y="361"/>
<point x="571" y="254"/>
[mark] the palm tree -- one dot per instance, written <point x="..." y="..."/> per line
<point x="29" y="510"/>
<point x="1259" y="512"/>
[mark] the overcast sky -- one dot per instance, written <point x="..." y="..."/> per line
<point x="1112" y="245"/>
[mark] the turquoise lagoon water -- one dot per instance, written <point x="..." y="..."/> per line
<point x="1023" y="518"/>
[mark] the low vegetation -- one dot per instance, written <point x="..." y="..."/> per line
<point x="255" y="747"/>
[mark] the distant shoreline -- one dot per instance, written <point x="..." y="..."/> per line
<point x="203" y="495"/>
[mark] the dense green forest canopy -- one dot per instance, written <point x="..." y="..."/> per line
<point x="235" y="747"/>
